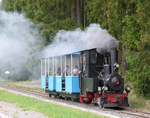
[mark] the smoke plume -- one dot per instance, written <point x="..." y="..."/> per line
<point x="18" y="38"/>
<point x="71" y="41"/>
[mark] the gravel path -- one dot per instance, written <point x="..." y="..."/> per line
<point x="3" y="116"/>
<point x="10" y="110"/>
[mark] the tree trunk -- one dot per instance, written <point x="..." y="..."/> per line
<point x="78" y="12"/>
<point x="83" y="13"/>
<point x="73" y="11"/>
<point x="124" y="62"/>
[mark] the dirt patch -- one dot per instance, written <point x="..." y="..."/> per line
<point x="12" y="111"/>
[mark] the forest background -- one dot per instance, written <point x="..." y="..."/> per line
<point x="126" y="20"/>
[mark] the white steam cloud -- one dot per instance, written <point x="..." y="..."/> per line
<point x="71" y="41"/>
<point x="18" y="38"/>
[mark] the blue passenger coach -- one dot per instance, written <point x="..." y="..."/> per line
<point x="60" y="75"/>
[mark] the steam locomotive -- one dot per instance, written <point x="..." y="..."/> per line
<point x="88" y="76"/>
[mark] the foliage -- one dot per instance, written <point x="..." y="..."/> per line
<point x="138" y="72"/>
<point x="50" y="110"/>
<point x="52" y="15"/>
<point x="126" y="20"/>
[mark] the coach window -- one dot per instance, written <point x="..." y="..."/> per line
<point x="63" y="65"/>
<point x="42" y="66"/>
<point x="46" y="67"/>
<point x="68" y="66"/>
<point x="75" y="64"/>
<point x="58" y="69"/>
<point x="53" y="64"/>
<point x="50" y="66"/>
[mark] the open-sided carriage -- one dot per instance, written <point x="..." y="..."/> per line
<point x="56" y="81"/>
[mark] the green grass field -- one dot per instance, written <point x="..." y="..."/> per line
<point x="48" y="109"/>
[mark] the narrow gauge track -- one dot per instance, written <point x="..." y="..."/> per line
<point x="135" y="113"/>
<point x="119" y="112"/>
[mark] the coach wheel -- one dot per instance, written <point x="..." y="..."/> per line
<point x="73" y="99"/>
<point x="66" y="98"/>
<point x="53" y="96"/>
<point x="50" y="95"/>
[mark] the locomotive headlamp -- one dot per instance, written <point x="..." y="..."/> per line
<point x="105" y="88"/>
<point x="117" y="65"/>
<point x="99" y="88"/>
<point x="127" y="89"/>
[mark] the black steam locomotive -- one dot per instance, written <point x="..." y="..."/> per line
<point x="90" y="76"/>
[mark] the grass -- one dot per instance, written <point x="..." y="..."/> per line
<point x="26" y="85"/>
<point x="48" y="109"/>
<point x="139" y="102"/>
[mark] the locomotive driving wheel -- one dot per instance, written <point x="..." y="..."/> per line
<point x="101" y="102"/>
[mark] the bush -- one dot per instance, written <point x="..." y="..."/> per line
<point x="138" y="72"/>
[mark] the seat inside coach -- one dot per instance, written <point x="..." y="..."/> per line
<point x="58" y="73"/>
